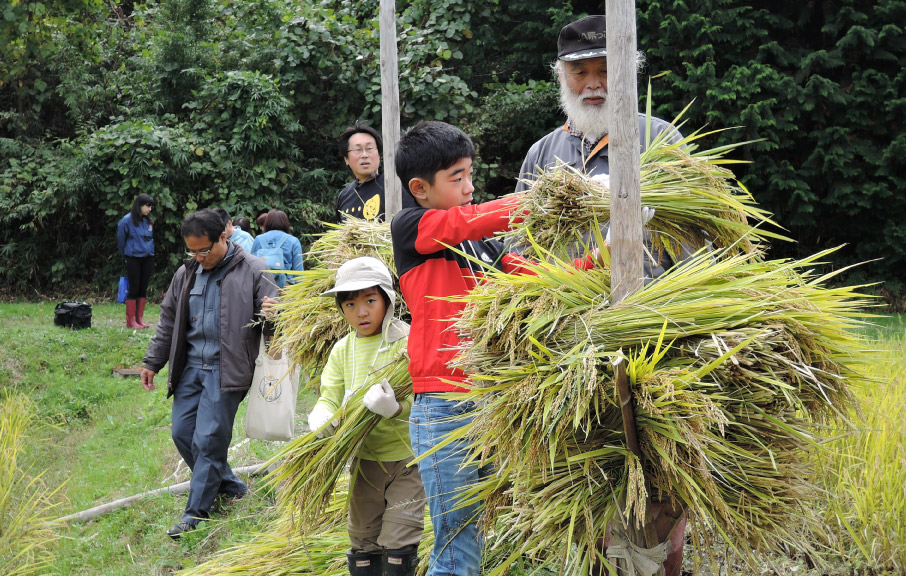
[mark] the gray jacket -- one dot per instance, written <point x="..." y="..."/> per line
<point x="561" y="145"/>
<point x="243" y="287"/>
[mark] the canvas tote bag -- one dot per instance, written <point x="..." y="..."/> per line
<point x="272" y="398"/>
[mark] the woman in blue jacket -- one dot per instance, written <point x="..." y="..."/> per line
<point x="278" y="240"/>
<point x="134" y="237"/>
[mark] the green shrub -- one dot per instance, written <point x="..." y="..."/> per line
<point x="246" y="100"/>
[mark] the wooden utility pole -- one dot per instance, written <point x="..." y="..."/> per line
<point x="625" y="206"/>
<point x="622" y="97"/>
<point x="390" y="107"/>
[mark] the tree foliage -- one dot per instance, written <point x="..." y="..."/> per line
<point x="220" y="102"/>
<point x="822" y="86"/>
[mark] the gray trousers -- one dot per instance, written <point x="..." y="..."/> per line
<point x="202" y="429"/>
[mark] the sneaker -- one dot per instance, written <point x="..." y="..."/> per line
<point x="177" y="530"/>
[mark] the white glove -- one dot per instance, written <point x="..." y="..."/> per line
<point x="319" y="416"/>
<point x="381" y="400"/>
<point x="603" y="179"/>
<point x="647" y="215"/>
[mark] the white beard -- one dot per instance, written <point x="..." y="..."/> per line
<point x="591" y="121"/>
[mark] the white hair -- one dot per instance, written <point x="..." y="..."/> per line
<point x="640" y="62"/>
<point x="590" y="121"/>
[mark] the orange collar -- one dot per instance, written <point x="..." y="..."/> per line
<point x="598" y="147"/>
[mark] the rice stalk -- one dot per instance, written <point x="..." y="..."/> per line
<point x="282" y="550"/>
<point x="27" y="520"/>
<point x="696" y="199"/>
<point x="863" y="471"/>
<point x="309" y="467"/>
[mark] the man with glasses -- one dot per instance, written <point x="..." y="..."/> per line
<point x="209" y="330"/>
<point x="360" y="146"/>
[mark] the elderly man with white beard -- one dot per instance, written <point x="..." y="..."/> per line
<point x="581" y="69"/>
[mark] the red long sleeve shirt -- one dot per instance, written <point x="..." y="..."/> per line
<point x="429" y="272"/>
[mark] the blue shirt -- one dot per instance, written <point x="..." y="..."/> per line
<point x="203" y="324"/>
<point x="292" y="250"/>
<point x="243" y="238"/>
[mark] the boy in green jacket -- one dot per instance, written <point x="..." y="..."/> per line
<point x="387" y="499"/>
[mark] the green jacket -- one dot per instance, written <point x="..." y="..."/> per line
<point x="389" y="441"/>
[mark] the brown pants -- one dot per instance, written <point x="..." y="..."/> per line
<point x="386" y="506"/>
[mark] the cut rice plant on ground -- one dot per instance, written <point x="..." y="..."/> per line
<point x="281" y="549"/>
<point x="27" y="505"/>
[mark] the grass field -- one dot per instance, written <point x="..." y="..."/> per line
<point x="98" y="437"/>
<point x="103" y="437"/>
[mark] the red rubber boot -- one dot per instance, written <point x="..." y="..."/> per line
<point x="140" y="313"/>
<point x="130" y="315"/>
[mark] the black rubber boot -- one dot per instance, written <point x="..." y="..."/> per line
<point x="400" y="562"/>
<point x="361" y="564"/>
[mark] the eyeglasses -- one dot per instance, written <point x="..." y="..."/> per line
<point x="202" y="253"/>
<point x="362" y="151"/>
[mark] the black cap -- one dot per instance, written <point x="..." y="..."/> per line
<point x="583" y="39"/>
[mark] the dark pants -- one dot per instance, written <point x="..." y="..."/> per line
<point x="138" y="270"/>
<point x="202" y="429"/>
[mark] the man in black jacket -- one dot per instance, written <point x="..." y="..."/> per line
<point x="209" y="332"/>
<point x="360" y="146"/>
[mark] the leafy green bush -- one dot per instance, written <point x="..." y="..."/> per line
<point x="242" y="102"/>
<point x="821" y="86"/>
<point x="513" y="118"/>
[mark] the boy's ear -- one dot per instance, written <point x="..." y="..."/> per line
<point x="417" y="188"/>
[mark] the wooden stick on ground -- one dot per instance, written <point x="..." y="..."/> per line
<point x="181" y="488"/>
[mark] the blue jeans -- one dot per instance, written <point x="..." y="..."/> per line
<point x="457" y="542"/>
<point x="202" y="428"/>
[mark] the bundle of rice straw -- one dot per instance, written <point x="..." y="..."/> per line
<point x="732" y="363"/>
<point x="309" y="467"/>
<point x="696" y="200"/>
<point x="308" y="324"/>
<point x="735" y="365"/>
